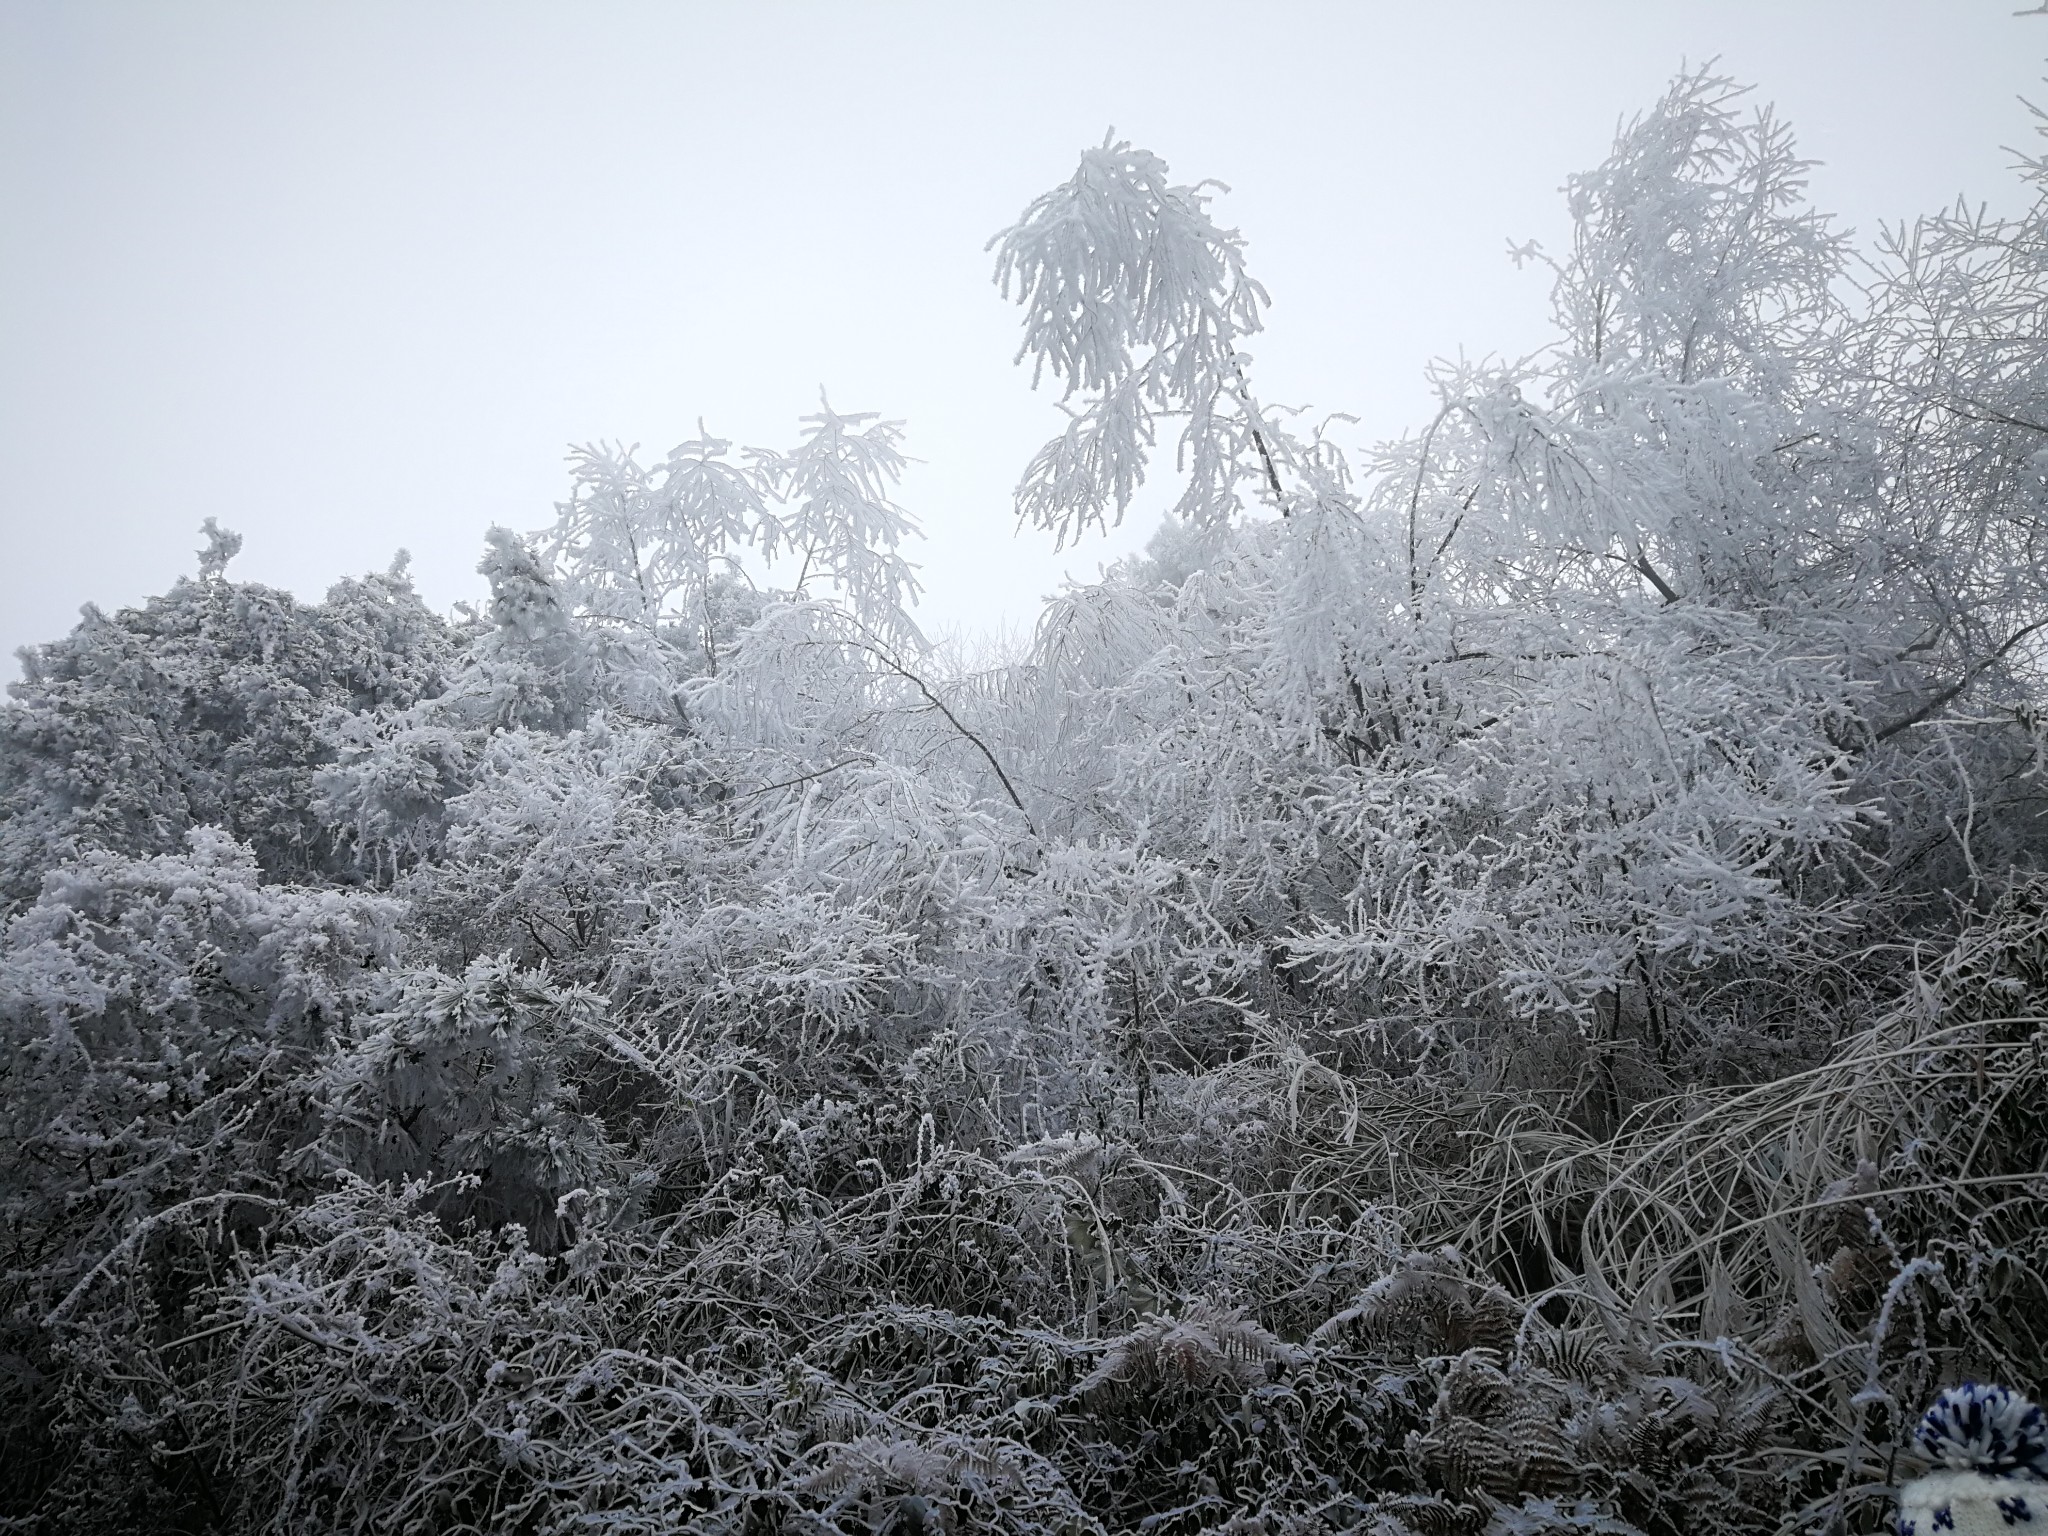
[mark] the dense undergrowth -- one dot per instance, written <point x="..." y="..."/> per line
<point x="1499" y="995"/>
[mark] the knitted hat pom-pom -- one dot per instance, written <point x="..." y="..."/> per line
<point x="1973" y="1428"/>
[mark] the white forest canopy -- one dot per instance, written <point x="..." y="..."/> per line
<point x="1489" y="987"/>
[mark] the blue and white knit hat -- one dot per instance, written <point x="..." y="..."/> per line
<point x="1989" y="1447"/>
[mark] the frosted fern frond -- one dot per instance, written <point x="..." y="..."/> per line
<point x="1430" y="1304"/>
<point x="1974" y="1428"/>
<point x="1549" y="1517"/>
<point x="1209" y="1345"/>
<point x="1068" y="1153"/>
<point x="1495" y="1433"/>
<point x="1583" y="1355"/>
<point x="875" y="1462"/>
<point x="896" y="1484"/>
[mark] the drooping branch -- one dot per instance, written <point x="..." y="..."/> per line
<point x="1955" y="690"/>
<point x="889" y="660"/>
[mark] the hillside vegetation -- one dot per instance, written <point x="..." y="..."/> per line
<point x="1493" y="988"/>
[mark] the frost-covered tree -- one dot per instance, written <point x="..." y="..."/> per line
<point x="642" y="546"/>
<point x="1561" y="707"/>
<point x="203" y="707"/>
<point x="1135" y="302"/>
<point x="838" y="522"/>
<point x="659" y="551"/>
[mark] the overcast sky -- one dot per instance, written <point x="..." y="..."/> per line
<point x="351" y="276"/>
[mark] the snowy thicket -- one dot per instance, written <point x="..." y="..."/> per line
<point x="1495" y="988"/>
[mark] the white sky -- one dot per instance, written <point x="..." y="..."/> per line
<point x="350" y="276"/>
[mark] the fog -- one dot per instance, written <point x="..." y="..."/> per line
<point x="352" y="278"/>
